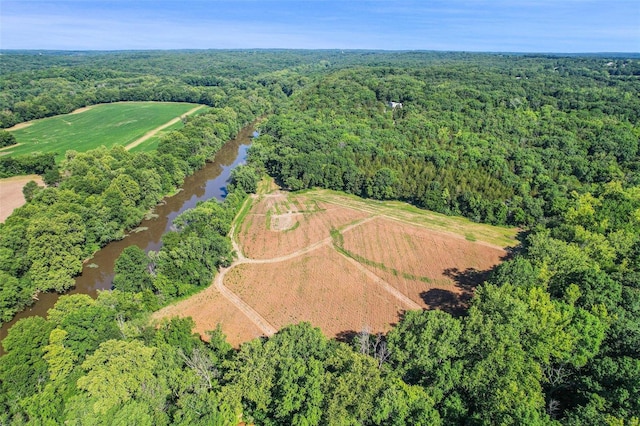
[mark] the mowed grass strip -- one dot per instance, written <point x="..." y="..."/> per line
<point x="106" y="124"/>
<point x="396" y="210"/>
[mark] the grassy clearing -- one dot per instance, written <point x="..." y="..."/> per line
<point x="403" y="212"/>
<point x="266" y="185"/>
<point x="242" y="214"/>
<point x="106" y="124"/>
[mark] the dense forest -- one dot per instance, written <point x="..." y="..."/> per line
<point x="547" y="143"/>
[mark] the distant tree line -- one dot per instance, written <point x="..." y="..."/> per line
<point x="502" y="146"/>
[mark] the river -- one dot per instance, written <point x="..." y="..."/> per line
<point x="97" y="273"/>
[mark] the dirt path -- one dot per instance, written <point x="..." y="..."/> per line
<point x="81" y="110"/>
<point x="251" y="313"/>
<point x="20" y="126"/>
<point x="29" y="123"/>
<point x="153" y="132"/>
<point x="259" y="320"/>
<point x="10" y="147"/>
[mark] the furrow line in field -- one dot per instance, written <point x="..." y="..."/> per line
<point x="244" y="307"/>
<point x="382" y="283"/>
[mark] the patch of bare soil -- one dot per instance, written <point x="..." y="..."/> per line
<point x="278" y="225"/>
<point x="342" y="269"/>
<point x="321" y="287"/>
<point x="11" y="196"/>
<point x="20" y="126"/>
<point x="418" y="261"/>
<point x="208" y="308"/>
<point x="81" y="110"/>
<point x="283" y="222"/>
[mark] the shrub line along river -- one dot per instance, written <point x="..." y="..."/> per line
<point x="206" y="183"/>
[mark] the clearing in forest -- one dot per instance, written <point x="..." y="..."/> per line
<point x="120" y="123"/>
<point x="345" y="264"/>
<point x="11" y="196"/>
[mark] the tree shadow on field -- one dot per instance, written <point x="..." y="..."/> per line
<point x="346" y="336"/>
<point x="510" y="253"/>
<point x="445" y="300"/>
<point x="349" y="336"/>
<point x="456" y="303"/>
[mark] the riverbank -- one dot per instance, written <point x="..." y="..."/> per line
<point x="206" y="183"/>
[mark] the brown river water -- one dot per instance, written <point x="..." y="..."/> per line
<point x="208" y="182"/>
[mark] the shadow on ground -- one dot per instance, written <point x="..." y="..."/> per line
<point x="456" y="302"/>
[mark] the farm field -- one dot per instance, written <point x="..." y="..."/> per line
<point x="121" y="123"/>
<point x="151" y="142"/>
<point x="279" y="225"/>
<point x="209" y="308"/>
<point x="11" y="196"/>
<point x="321" y="287"/>
<point x="345" y="264"/>
<point x="429" y="267"/>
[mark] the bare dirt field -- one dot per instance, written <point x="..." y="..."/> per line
<point x="279" y="224"/>
<point x="343" y="264"/>
<point x="11" y="196"/>
<point x="416" y="260"/>
<point x="81" y="110"/>
<point x="321" y="287"/>
<point x="208" y="308"/>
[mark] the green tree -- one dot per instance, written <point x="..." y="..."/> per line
<point x="132" y="270"/>
<point x="22" y="369"/>
<point x="6" y="139"/>
<point x="59" y="358"/>
<point x="383" y="183"/>
<point x="117" y="373"/>
<point x="68" y="304"/>
<point x="245" y="178"/>
<point x="87" y="327"/>
<point x="55" y="249"/>
<point x="29" y="190"/>
<point x="401" y="404"/>
<point x="352" y="383"/>
<point x="426" y="350"/>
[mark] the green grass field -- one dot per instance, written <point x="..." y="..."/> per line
<point x="106" y="124"/>
<point x="152" y="143"/>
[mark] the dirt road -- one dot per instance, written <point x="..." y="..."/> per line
<point x="153" y="132"/>
<point x="257" y="319"/>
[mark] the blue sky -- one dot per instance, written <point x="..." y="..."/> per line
<point x="460" y="25"/>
